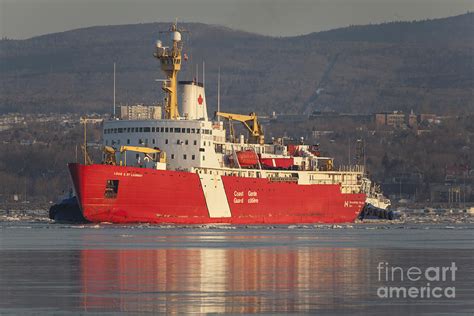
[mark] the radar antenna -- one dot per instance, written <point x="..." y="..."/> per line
<point x="170" y="62"/>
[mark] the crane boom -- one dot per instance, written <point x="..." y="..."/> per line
<point x="144" y="150"/>
<point x="147" y="151"/>
<point x="250" y="122"/>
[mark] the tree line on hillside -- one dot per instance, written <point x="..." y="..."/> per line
<point x="72" y="71"/>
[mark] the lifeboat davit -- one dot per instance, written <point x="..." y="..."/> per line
<point x="247" y="158"/>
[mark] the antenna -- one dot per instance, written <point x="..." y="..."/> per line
<point x="219" y="93"/>
<point x="114" y="90"/>
<point x="203" y="74"/>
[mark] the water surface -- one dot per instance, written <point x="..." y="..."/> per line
<point x="60" y="268"/>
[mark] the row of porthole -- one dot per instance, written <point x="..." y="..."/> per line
<point x="145" y="142"/>
<point x="157" y="130"/>
<point x="185" y="157"/>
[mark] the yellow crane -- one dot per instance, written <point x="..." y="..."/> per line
<point x="144" y="150"/>
<point x="109" y="155"/>
<point x="250" y="122"/>
<point x="153" y="154"/>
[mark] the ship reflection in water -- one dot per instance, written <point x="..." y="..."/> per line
<point x="60" y="269"/>
<point x="221" y="280"/>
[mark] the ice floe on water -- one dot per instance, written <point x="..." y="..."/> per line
<point x="25" y="216"/>
<point x="407" y="220"/>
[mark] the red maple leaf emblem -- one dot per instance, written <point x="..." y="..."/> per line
<point x="200" y="99"/>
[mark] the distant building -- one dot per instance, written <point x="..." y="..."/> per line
<point x="429" y="118"/>
<point x="393" y="119"/>
<point x="413" y="120"/>
<point x="397" y="119"/>
<point x="140" y="112"/>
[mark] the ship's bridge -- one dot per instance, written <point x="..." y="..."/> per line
<point x="187" y="143"/>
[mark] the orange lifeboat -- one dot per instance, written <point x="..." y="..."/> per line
<point x="247" y="158"/>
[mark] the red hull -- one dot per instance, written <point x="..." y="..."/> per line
<point x="157" y="196"/>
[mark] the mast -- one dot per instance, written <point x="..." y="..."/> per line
<point x="219" y="93"/>
<point x="114" y="90"/>
<point x="170" y="62"/>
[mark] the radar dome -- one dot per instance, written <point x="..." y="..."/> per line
<point x="176" y="36"/>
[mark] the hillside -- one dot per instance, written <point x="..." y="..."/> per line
<point x="426" y="66"/>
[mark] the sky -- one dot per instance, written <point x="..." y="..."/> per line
<point x="20" y="19"/>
